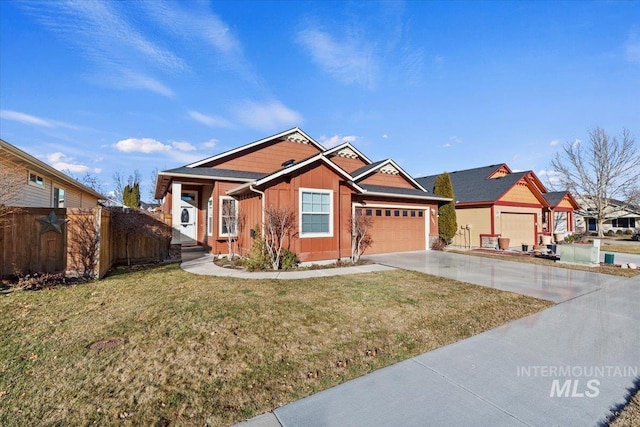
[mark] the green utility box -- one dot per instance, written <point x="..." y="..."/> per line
<point x="608" y="258"/>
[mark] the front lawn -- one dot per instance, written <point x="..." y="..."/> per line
<point x="164" y="347"/>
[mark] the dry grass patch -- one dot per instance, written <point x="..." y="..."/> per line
<point x="164" y="347"/>
<point x="622" y="248"/>
<point x="603" y="269"/>
<point x="629" y="416"/>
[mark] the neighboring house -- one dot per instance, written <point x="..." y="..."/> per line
<point x="323" y="187"/>
<point x="619" y="216"/>
<point x="493" y="201"/>
<point x="42" y="186"/>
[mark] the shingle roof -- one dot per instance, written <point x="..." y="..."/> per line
<point x="473" y="185"/>
<point x="215" y="173"/>
<point x="396" y="190"/>
<point x="366" y="168"/>
<point x="554" y="197"/>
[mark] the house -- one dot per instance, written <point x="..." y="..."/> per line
<point x="493" y="201"/>
<point x="225" y="196"/>
<point x="40" y="185"/>
<point x="618" y="216"/>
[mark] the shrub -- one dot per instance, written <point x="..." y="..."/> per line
<point x="439" y="244"/>
<point x="574" y="238"/>
<point x="628" y="232"/>
<point x="288" y="260"/>
<point x="610" y="233"/>
<point x="258" y="258"/>
<point x="37" y="281"/>
<point x="619" y="232"/>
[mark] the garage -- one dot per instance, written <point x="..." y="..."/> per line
<point x="396" y="229"/>
<point x="519" y="227"/>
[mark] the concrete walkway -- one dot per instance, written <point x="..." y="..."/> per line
<point x="568" y="365"/>
<point x="204" y="265"/>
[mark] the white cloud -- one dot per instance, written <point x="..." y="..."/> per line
<point x="268" y="116"/>
<point x="554" y="143"/>
<point x="551" y="177"/>
<point x="384" y="136"/>
<point x="335" y="140"/>
<point x="210" y="143"/>
<point x="212" y="121"/>
<point x="142" y="145"/>
<point x="110" y="38"/>
<point x="183" y="146"/>
<point x="576" y="143"/>
<point x="33" y="120"/>
<point x="63" y="162"/>
<point x="350" y="60"/>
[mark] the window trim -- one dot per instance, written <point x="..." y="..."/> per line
<point x="35" y="183"/>
<point x="53" y="196"/>
<point x="210" y="216"/>
<point x="303" y="190"/>
<point x="221" y="220"/>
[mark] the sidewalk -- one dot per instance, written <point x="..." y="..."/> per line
<point x="205" y="266"/>
<point x="568" y="365"/>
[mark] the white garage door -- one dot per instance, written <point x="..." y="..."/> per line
<point x="519" y="227"/>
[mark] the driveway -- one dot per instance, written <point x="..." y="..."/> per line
<point x="568" y="365"/>
<point x="538" y="281"/>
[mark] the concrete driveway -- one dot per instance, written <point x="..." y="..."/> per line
<point x="566" y="366"/>
<point x="538" y="281"/>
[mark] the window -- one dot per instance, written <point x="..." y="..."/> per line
<point x="405" y="213"/>
<point x="396" y="213"/>
<point x="36" y="180"/>
<point x="413" y="213"/>
<point x="210" y="217"/>
<point x="623" y="223"/>
<point x="369" y="212"/>
<point x="387" y="213"/>
<point x="420" y="214"/>
<point x="378" y="212"/>
<point x="316" y="218"/>
<point x="58" y="197"/>
<point x="228" y="216"/>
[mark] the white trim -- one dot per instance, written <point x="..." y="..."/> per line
<point x="395" y="165"/>
<point x="345" y="145"/>
<point x="210" y="177"/>
<point x="295" y="167"/>
<point x="221" y="221"/>
<point x="35" y="183"/>
<point x="331" y="213"/>
<point x="406" y="196"/>
<point x="210" y="216"/>
<point x="254" y="144"/>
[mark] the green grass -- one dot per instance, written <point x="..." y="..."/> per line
<point x="198" y="350"/>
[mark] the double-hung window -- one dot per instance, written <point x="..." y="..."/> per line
<point x="228" y="216"/>
<point x="316" y="213"/>
<point x="210" y="217"/>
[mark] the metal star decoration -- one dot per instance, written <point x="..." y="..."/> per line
<point x="51" y="223"/>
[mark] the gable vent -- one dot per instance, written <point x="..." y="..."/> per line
<point x="347" y="153"/>
<point x="297" y="137"/>
<point x="288" y="163"/>
<point x="390" y="170"/>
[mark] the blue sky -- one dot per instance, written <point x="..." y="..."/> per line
<point x="101" y="87"/>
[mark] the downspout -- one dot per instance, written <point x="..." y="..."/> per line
<point x="262" y="198"/>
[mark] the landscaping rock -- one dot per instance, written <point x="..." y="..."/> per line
<point x="632" y="266"/>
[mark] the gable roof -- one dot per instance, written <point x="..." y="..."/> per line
<point x="348" y="145"/>
<point x="476" y="186"/>
<point x="164" y="178"/>
<point x="290" y="169"/>
<point x="295" y="133"/>
<point x="364" y="171"/>
<point x="28" y="161"/>
<point x="554" y="198"/>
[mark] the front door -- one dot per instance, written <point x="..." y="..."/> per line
<point x="188" y="219"/>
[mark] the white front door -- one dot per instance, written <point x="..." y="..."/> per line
<point x="188" y="219"/>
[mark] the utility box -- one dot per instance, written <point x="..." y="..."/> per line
<point x="608" y="258"/>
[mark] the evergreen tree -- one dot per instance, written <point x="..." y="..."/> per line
<point x="447" y="226"/>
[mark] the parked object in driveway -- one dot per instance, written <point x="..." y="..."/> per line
<point x="636" y="237"/>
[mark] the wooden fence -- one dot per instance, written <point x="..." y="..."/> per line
<point x="81" y="241"/>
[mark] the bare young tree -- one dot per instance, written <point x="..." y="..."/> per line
<point x="12" y="180"/>
<point x="278" y="226"/>
<point x="230" y="223"/>
<point x="360" y="230"/>
<point x="604" y="168"/>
